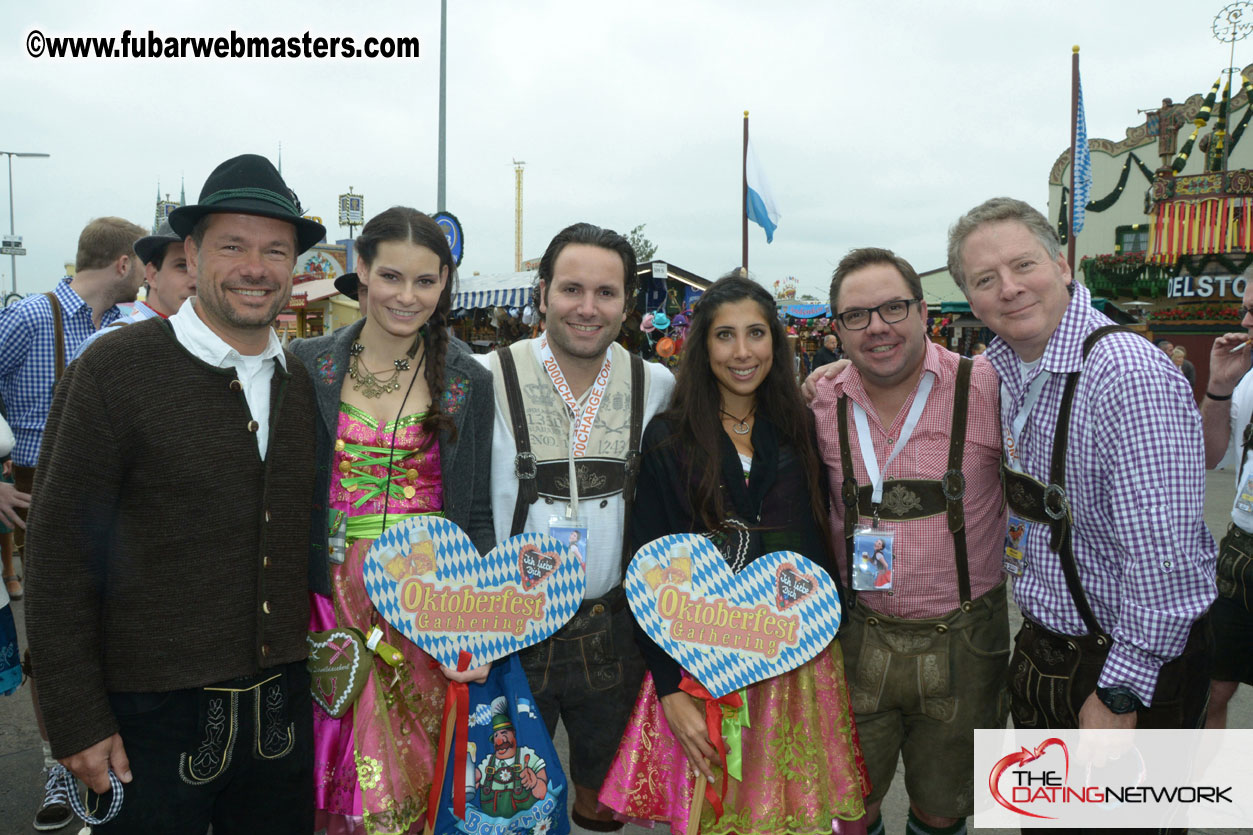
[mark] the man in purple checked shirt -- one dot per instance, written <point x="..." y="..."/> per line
<point x="1105" y="467"/>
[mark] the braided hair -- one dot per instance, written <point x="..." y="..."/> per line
<point x="403" y="224"/>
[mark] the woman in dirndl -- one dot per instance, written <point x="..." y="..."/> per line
<point x="735" y="458"/>
<point x="405" y="430"/>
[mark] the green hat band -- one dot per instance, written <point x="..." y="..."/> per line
<point x="251" y="194"/>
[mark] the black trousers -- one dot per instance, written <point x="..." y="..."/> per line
<point x="237" y="755"/>
<point x="1051" y="675"/>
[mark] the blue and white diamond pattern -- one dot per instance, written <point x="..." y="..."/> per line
<point x="725" y="670"/>
<point x="458" y="564"/>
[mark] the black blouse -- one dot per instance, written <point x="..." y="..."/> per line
<point x="774" y="505"/>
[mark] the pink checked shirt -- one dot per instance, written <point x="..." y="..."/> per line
<point x="924" y="575"/>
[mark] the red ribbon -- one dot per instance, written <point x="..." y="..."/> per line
<point x="713" y="725"/>
<point x="457" y="698"/>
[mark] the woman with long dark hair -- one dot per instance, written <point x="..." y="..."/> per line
<point x="735" y="458"/>
<point x="405" y="430"/>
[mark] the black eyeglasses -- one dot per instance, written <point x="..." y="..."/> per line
<point x="1245" y="310"/>
<point x="890" y="312"/>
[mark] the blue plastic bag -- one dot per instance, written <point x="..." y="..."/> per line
<point x="513" y="779"/>
<point x="10" y="662"/>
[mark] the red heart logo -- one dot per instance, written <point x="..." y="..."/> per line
<point x="535" y="565"/>
<point x="791" y="586"/>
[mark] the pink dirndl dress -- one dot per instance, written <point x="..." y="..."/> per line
<point x="802" y="768"/>
<point x="374" y="766"/>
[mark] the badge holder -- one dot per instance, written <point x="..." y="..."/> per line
<point x="1244" y="501"/>
<point x="872" y="558"/>
<point x="570" y="531"/>
<point x="1014" y="560"/>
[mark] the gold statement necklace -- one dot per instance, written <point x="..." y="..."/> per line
<point x="373" y="385"/>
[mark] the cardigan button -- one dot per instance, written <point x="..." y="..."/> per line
<point x="265" y="650"/>
<point x="267" y="514"/>
<point x="236" y="385"/>
<point x="253" y="426"/>
<point x="265" y="606"/>
<point x="265" y="562"/>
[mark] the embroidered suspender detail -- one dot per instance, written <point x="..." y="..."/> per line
<point x="914" y="498"/>
<point x="1049" y="504"/>
<point x="526" y="466"/>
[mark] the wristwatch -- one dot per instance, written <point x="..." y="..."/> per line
<point x="1119" y="699"/>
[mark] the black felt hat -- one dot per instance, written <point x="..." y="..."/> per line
<point x="249" y="185"/>
<point x="148" y="248"/>
<point x="348" y="284"/>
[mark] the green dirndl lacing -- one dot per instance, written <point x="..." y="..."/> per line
<point x="370" y="525"/>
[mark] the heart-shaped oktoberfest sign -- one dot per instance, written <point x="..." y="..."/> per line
<point x="731" y="630"/>
<point x="426" y="578"/>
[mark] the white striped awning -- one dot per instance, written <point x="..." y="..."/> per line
<point x="497" y="290"/>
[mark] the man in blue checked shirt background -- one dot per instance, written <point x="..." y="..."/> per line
<point x="106" y="272"/>
<point x="1117" y="568"/>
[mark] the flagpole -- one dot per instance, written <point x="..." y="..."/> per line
<point x="1074" y="134"/>
<point x="744" y="198"/>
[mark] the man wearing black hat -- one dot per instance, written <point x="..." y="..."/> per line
<point x="169" y="636"/>
<point x="165" y="276"/>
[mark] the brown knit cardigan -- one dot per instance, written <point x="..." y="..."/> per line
<point x="163" y="552"/>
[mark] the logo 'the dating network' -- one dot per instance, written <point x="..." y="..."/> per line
<point x="1103" y="778"/>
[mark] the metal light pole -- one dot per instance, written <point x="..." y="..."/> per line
<point x="441" y="188"/>
<point x="12" y="231"/>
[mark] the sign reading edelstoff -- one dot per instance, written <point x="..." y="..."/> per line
<point x="1216" y="287"/>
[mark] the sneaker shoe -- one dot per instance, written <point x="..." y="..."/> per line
<point x="55" y="812"/>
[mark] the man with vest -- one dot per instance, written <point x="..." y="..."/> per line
<point x="510" y="779"/>
<point x="1105" y="469"/>
<point x="570" y="409"/>
<point x="910" y="439"/>
<point x="165" y="276"/>
<point x="1227" y="414"/>
<point x="38" y="337"/>
<point x="169" y="636"/>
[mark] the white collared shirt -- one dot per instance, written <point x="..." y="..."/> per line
<point x="255" y="371"/>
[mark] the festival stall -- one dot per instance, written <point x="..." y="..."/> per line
<point x="657" y="324"/>
<point x="316" y="307"/>
<point x="493" y="309"/>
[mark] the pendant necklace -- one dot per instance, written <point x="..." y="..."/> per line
<point x="366" y="381"/>
<point x="740" y="427"/>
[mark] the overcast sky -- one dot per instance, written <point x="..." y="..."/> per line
<point x="876" y="123"/>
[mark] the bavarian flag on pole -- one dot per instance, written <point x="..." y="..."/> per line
<point x="761" y="208"/>
<point x="1083" y="165"/>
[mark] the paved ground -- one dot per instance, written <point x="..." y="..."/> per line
<point x="21" y="788"/>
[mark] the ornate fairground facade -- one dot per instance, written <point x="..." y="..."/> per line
<point x="1172" y="237"/>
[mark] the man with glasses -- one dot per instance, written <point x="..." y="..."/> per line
<point x="910" y="438"/>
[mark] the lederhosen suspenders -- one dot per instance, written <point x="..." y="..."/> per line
<point x="1048" y="504"/>
<point x="525" y="465"/>
<point x="59" y="329"/>
<point x="914" y="498"/>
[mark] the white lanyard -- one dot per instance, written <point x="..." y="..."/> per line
<point x="582" y="411"/>
<point x="867" y="445"/>
<point x="1014" y="435"/>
